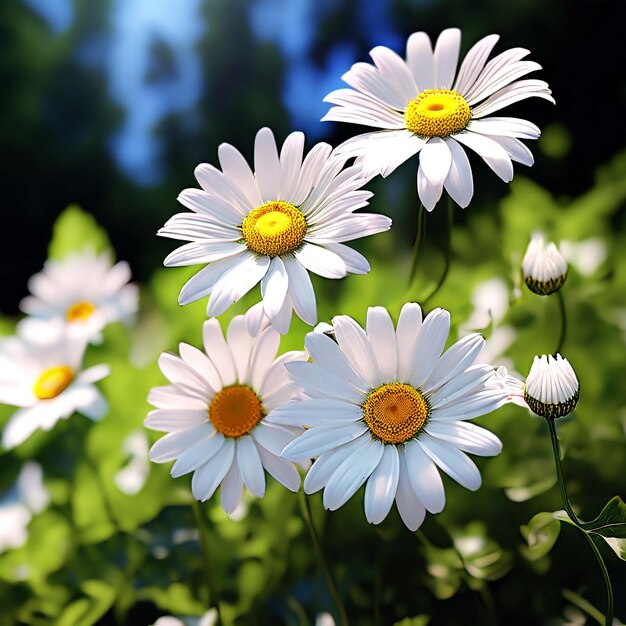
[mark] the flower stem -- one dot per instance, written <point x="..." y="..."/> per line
<point x="570" y="513"/>
<point x="208" y="573"/>
<point x="561" y="301"/>
<point x="419" y="236"/>
<point x="306" y="512"/>
<point x="447" y="252"/>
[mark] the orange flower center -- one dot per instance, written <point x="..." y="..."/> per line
<point x="235" y="411"/>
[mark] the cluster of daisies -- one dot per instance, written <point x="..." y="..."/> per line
<point x="385" y="406"/>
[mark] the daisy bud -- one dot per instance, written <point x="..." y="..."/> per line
<point x="544" y="267"/>
<point x="552" y="388"/>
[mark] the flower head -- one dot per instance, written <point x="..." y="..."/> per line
<point x="552" y="388"/>
<point x="290" y="217"/>
<point x="85" y="290"/>
<point x="215" y="412"/>
<point x="41" y="372"/>
<point x="421" y="108"/>
<point x="384" y="405"/>
<point x="544" y="267"/>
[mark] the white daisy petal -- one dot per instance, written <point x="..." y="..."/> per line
<point x="452" y="461"/>
<point x="301" y="290"/>
<point x="236" y="168"/>
<point x="281" y="470"/>
<point x="172" y="420"/>
<point x="424" y="477"/>
<point x="429" y="345"/>
<point x="460" y="182"/>
<point x="290" y="164"/>
<point x="172" y="445"/>
<point x="197" y="454"/>
<point x="351" y="474"/>
<point x="272" y="438"/>
<point x="218" y="351"/>
<point x="231" y="489"/>
<point x="207" y="477"/>
<point x="240" y="345"/>
<point x="314" y="442"/>
<point x="264" y="350"/>
<point x="516" y="150"/>
<point x="419" y="58"/>
<point x="435" y="161"/>
<point x="428" y="193"/>
<point x="389" y="63"/>
<point x="465" y="436"/>
<point x="407" y="331"/>
<point x="193" y="253"/>
<point x="275" y="285"/>
<point x="355" y="344"/>
<point x="382" y="485"/>
<point x="199" y="361"/>
<point x="446" y="57"/>
<point x="411" y="509"/>
<point x="382" y="336"/>
<point x="267" y="165"/>
<point x="355" y="262"/>
<point x="250" y="465"/>
<point x="474" y="62"/>
<point x="492" y="153"/>
<point x="316" y="412"/>
<point x="321" y="261"/>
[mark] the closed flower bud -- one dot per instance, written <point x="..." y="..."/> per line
<point x="552" y="388"/>
<point x="544" y="267"/>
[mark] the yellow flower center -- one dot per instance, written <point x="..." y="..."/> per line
<point x="80" y="311"/>
<point x="53" y="382"/>
<point x="395" y="412"/>
<point x="274" y="228"/>
<point x="235" y="411"/>
<point x="437" y="113"/>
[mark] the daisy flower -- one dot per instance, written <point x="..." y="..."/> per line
<point x="422" y="108"/>
<point x="544" y="268"/>
<point x="84" y="289"/>
<point x="41" y="372"/>
<point x="551" y="388"/>
<point x="215" y="412"/>
<point x="386" y="407"/>
<point x="290" y="217"/>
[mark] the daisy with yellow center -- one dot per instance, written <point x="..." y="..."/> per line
<point x="387" y="407"/>
<point x="215" y="413"/>
<point x="273" y="226"/>
<point x="41" y="372"/>
<point x="85" y="290"/>
<point x="422" y="108"/>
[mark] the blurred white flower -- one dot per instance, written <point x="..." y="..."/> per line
<point x="490" y="301"/>
<point x="543" y="266"/>
<point x="41" y="372"/>
<point x="324" y="619"/>
<point x="587" y="255"/>
<point x="274" y="226"/>
<point x="85" y="290"/>
<point x="387" y="407"/>
<point x="208" y="619"/>
<point x="421" y="108"/>
<point x="131" y="478"/>
<point x="27" y="497"/>
<point x="217" y="413"/>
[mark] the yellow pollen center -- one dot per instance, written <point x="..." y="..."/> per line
<point x="437" y="113"/>
<point x="80" y="311"/>
<point x="235" y="411"/>
<point x="395" y="412"/>
<point x="53" y="382"/>
<point x="274" y="228"/>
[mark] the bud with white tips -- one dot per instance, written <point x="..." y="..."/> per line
<point x="552" y="388"/>
<point x="544" y="267"/>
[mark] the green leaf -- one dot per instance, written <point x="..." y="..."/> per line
<point x="541" y="534"/>
<point x="89" y="508"/>
<point x="87" y="611"/>
<point x="75" y="230"/>
<point x="612" y="520"/>
<point x="618" y="546"/>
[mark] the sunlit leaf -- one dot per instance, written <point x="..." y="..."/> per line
<point x="541" y="534"/>
<point x="74" y="231"/>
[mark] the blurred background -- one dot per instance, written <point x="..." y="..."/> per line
<point x="111" y="104"/>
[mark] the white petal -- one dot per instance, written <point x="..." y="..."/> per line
<point x="301" y="290"/>
<point x="381" y="487"/>
<point x="411" y="510"/>
<point x="314" y="442"/>
<point x="419" y="58"/>
<point x="197" y="454"/>
<point x="171" y="420"/>
<point x="94" y="374"/>
<point x="355" y="344"/>
<point x="382" y="336"/>
<point x="236" y="168"/>
<point x="194" y="253"/>
<point x="408" y="329"/>
<point x="315" y="412"/>
<point x="428" y="193"/>
<point x="321" y="261"/>
<point x="309" y="173"/>
<point x="465" y="436"/>
<point x="435" y="161"/>
<point x="470" y="406"/>
<point x="460" y="181"/>
<point x="351" y="474"/>
<point x="250" y="465"/>
<point x="201" y="364"/>
<point x="429" y="345"/>
<point x="266" y="165"/>
<point x="218" y="351"/>
<point x="177" y="371"/>
<point x="492" y="153"/>
<point x="396" y="71"/>
<point x="171" y="446"/>
<point x="290" y="164"/>
<point x="355" y="262"/>
<point x="232" y="489"/>
<point x="319" y="383"/>
<point x="21" y="425"/>
<point x="474" y="62"/>
<point x="174" y="397"/>
<point x="277" y="375"/>
<point x="519" y="90"/>
<point x="452" y="461"/>
<point x="516" y="150"/>
<point x="424" y="478"/>
<point x="207" y="478"/>
<point x="281" y="470"/>
<point x="240" y="344"/>
<point x="271" y="437"/>
<point x="263" y="352"/>
<point x="446" y="57"/>
<point x="274" y="284"/>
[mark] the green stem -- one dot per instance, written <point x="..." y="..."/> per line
<point x="419" y="236"/>
<point x="208" y="572"/>
<point x="570" y="513"/>
<point x="306" y="512"/>
<point x="447" y="253"/>
<point x="561" y="301"/>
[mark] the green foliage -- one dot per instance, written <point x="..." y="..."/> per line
<point x="74" y="231"/>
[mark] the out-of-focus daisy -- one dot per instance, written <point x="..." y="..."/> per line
<point x="290" y="217"/>
<point x="544" y="267"/>
<point x="552" y="388"/>
<point x="208" y="619"/>
<point x="387" y="407"/>
<point x="132" y="477"/>
<point x="422" y="108"/>
<point x="28" y="497"/>
<point x="84" y="289"/>
<point x="215" y="412"/>
<point x="41" y="372"/>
